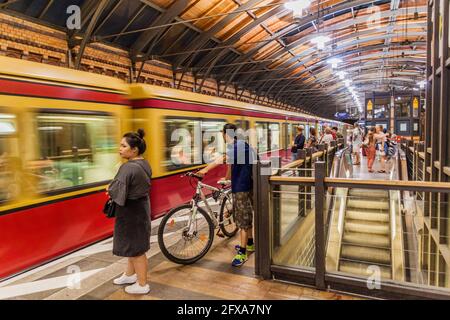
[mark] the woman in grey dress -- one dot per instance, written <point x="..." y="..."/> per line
<point x="130" y="191"/>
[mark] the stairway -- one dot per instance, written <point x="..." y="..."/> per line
<point x="366" y="239"/>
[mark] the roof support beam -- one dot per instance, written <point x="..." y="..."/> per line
<point x="44" y="11"/>
<point x="207" y="35"/>
<point x="87" y="37"/>
<point x="170" y="14"/>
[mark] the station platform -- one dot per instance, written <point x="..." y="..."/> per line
<point x="88" y="274"/>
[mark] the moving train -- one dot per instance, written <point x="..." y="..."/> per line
<point x="59" y="134"/>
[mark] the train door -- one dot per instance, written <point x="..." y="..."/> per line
<point x="10" y="182"/>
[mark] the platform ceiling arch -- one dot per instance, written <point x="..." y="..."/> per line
<point x="261" y="45"/>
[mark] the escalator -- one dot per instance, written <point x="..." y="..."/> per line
<point x="366" y="233"/>
<point x="364" y="229"/>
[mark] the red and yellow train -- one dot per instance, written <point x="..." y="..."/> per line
<point x="59" y="133"/>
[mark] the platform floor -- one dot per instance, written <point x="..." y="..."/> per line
<point x="88" y="273"/>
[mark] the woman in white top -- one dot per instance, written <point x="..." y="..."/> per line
<point x="357" y="137"/>
<point x="380" y="140"/>
<point x="327" y="137"/>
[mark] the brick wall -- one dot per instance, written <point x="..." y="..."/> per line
<point x="23" y="39"/>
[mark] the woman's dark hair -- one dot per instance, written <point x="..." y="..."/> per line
<point x="136" y="140"/>
<point x="313" y="131"/>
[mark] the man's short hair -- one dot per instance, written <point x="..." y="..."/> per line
<point x="300" y="127"/>
<point x="230" y="128"/>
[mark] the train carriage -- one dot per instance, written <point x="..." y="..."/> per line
<point x="168" y="115"/>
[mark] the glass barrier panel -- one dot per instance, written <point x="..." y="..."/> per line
<point x="389" y="237"/>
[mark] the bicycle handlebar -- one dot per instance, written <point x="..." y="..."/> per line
<point x="193" y="175"/>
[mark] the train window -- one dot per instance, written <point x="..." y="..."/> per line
<point x="213" y="142"/>
<point x="74" y="150"/>
<point x="242" y="124"/>
<point x="262" y="136"/>
<point x="242" y="129"/>
<point x="274" y="136"/>
<point x="9" y="158"/>
<point x="181" y="150"/>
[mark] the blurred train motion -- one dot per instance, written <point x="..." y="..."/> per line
<point x="59" y="134"/>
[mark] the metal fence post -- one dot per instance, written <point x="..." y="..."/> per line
<point x="308" y="165"/>
<point x="320" y="168"/>
<point x="301" y="189"/>
<point x="262" y="221"/>
<point x="257" y="212"/>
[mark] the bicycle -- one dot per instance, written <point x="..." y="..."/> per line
<point x="196" y="225"/>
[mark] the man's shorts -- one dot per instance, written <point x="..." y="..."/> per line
<point x="243" y="209"/>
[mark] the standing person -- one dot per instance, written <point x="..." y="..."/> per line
<point x="380" y="140"/>
<point x="334" y="133"/>
<point x="327" y="137"/>
<point x="357" y="140"/>
<point x="299" y="143"/>
<point x="239" y="158"/>
<point x="312" y="141"/>
<point x="337" y="133"/>
<point x="130" y="191"/>
<point x="369" y="144"/>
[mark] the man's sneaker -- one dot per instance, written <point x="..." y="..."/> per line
<point x="124" y="279"/>
<point x="248" y="248"/>
<point x="239" y="259"/>
<point x="137" y="289"/>
<point x="251" y="248"/>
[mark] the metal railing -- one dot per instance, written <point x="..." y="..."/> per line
<point x="272" y="254"/>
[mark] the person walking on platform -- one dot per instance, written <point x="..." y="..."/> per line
<point x="380" y="140"/>
<point x="130" y="191"/>
<point x="299" y="143"/>
<point x="369" y="144"/>
<point x="327" y="137"/>
<point x="357" y="140"/>
<point x="312" y="141"/>
<point x="240" y="157"/>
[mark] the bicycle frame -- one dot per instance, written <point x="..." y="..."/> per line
<point x="200" y="196"/>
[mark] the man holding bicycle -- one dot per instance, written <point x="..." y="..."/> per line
<point x="239" y="158"/>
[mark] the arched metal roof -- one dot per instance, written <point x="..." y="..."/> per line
<point x="259" y="44"/>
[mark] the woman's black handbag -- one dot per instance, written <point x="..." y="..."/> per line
<point x="110" y="208"/>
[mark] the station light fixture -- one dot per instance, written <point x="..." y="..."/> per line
<point x="422" y="84"/>
<point x="320" y="41"/>
<point x="297" y="6"/>
<point x="341" y="74"/>
<point x="334" y="62"/>
<point x="347" y="82"/>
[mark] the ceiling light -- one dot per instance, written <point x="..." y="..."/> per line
<point x="297" y="6"/>
<point x="347" y="82"/>
<point x="422" y="84"/>
<point x="334" y="62"/>
<point x="320" y="41"/>
<point x="341" y="75"/>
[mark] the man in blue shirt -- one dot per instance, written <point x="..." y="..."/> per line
<point x="239" y="158"/>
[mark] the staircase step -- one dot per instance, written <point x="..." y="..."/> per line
<point x="368" y="227"/>
<point x="381" y="204"/>
<point x="363" y="269"/>
<point x="364" y="239"/>
<point x="368" y="193"/>
<point x="366" y="254"/>
<point x="367" y="215"/>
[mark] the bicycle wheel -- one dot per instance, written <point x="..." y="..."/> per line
<point x="226" y="218"/>
<point x="181" y="243"/>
